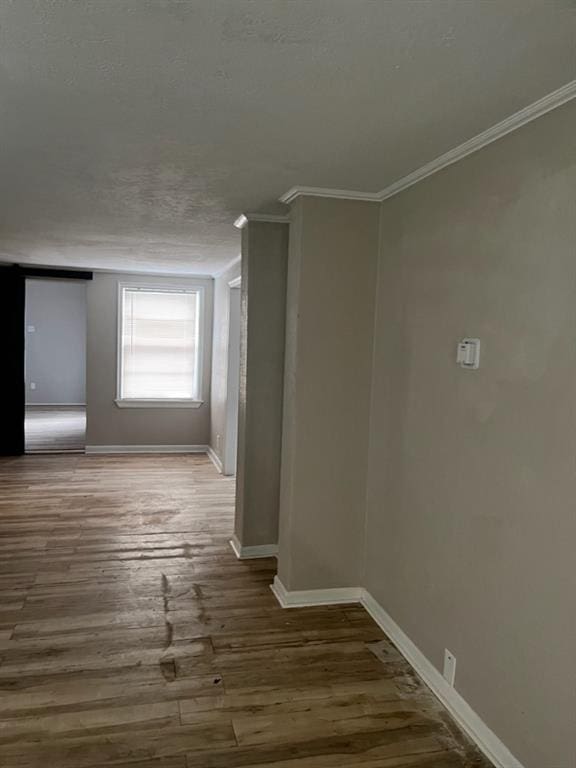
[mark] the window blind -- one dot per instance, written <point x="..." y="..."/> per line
<point x="159" y="344"/>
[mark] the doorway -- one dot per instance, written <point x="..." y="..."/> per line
<point x="55" y="366"/>
<point x="232" y="379"/>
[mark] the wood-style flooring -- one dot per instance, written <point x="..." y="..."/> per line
<point x="130" y="635"/>
<point x="55" y="428"/>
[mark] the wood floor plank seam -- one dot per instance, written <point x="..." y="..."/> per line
<point x="131" y="636"/>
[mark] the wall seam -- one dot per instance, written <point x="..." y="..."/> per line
<point x="363" y="557"/>
<point x="291" y="229"/>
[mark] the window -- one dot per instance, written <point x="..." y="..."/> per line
<point x="159" y="347"/>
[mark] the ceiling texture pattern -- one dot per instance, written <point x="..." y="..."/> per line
<point x="134" y="132"/>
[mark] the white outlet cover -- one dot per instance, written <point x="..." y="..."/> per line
<point x="449" y="672"/>
<point x="33" y="385"/>
<point x="31" y="329"/>
<point x="468" y="354"/>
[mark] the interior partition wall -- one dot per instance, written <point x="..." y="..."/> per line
<point x="12" y="387"/>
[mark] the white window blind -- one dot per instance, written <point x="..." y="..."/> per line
<point x="159" y="340"/>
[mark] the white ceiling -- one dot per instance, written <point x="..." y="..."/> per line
<point x="133" y="132"/>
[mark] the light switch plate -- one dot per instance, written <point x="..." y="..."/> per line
<point x="468" y="353"/>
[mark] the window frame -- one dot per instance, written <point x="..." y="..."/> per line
<point x="167" y="402"/>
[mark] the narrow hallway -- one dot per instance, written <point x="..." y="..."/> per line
<point x="131" y="635"/>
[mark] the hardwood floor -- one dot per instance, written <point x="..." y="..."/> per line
<point x="55" y="428"/>
<point x="131" y="636"/>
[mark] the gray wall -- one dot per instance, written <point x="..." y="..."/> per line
<point x="56" y="350"/>
<point x="106" y="423"/>
<point x="471" y="521"/>
<point x="330" y="317"/>
<point x="262" y="331"/>
<point x="220" y="358"/>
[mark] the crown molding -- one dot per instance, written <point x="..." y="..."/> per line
<point x="342" y="194"/>
<point x="228" y="266"/>
<point x="270" y="218"/>
<point x="144" y="273"/>
<point x="508" y="125"/>
<point x="526" y="115"/>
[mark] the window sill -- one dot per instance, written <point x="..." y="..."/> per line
<point x="158" y="403"/>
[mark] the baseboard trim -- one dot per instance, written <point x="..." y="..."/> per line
<point x="252" y="553"/>
<point x="461" y="711"/>
<point x="100" y="449"/>
<point x="54" y="451"/>
<point x="55" y="405"/>
<point x="215" y="459"/>
<point x="304" y="598"/>
<point x="470" y="722"/>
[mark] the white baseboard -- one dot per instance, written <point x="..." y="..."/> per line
<point x="215" y="459"/>
<point x="460" y="710"/>
<point x="146" y="449"/>
<point x="300" y="599"/>
<point x="484" y="738"/>
<point x="251" y="553"/>
<point x="55" y="405"/>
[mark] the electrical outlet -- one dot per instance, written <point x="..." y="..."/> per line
<point x="449" y="673"/>
<point x="217" y="442"/>
<point x="32" y="385"/>
<point x="31" y="329"/>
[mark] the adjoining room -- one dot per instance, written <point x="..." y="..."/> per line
<point x="55" y="349"/>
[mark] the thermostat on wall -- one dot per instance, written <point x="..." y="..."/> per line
<point x="468" y="355"/>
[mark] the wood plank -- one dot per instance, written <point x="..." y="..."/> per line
<point x="130" y="635"/>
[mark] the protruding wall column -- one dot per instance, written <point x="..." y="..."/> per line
<point x="263" y="316"/>
<point x="329" y="340"/>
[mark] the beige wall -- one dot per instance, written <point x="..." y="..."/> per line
<point x="220" y="358"/>
<point x="331" y="288"/>
<point x="471" y="522"/>
<point x="464" y="527"/>
<point x="106" y="423"/>
<point x="263" y="311"/>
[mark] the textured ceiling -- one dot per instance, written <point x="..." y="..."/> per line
<point x="133" y="132"/>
